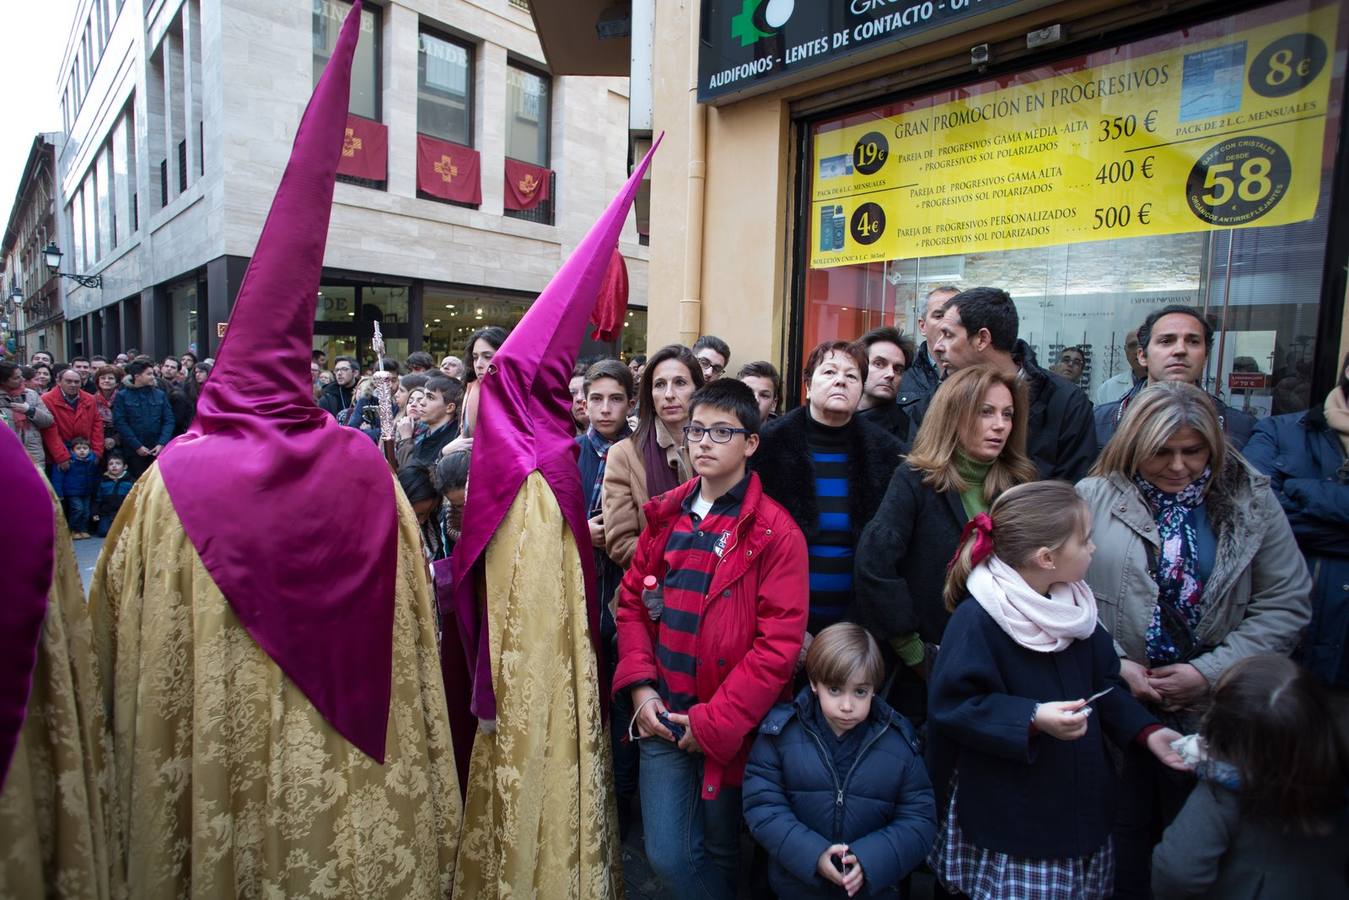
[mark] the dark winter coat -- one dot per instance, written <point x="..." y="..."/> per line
<point x="111" y="493"/>
<point x="797" y="803"/>
<point x="901" y="559"/>
<point x="1212" y="850"/>
<point x="336" y="398"/>
<point x="922" y="377"/>
<point x="894" y="419"/>
<point x="1021" y="793"/>
<point x="80" y="479"/>
<point x="783" y="463"/>
<point x="143" y="418"/>
<point x="750" y="633"/>
<point x="1060" y="432"/>
<point x="1309" y="473"/>
<point x="1237" y="425"/>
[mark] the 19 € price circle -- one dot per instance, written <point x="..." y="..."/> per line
<point x="1238" y="181"/>
<point x="867" y="223"/>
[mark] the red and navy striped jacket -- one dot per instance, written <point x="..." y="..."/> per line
<point x="694" y="548"/>
<point x="751" y="621"/>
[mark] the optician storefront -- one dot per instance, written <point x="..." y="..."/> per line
<point x="1097" y="159"/>
<point x="1194" y="166"/>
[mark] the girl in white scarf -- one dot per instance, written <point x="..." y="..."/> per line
<point x="1003" y="734"/>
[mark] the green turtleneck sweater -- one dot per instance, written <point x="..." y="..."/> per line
<point x="973" y="473"/>
<point x="909" y="647"/>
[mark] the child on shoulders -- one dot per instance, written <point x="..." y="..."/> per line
<point x="1024" y="693"/>
<point x="835" y="789"/>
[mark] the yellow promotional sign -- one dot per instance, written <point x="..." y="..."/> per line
<point x="1224" y="133"/>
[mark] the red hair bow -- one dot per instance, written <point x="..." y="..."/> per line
<point x="982" y="527"/>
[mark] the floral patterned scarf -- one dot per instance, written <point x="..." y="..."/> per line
<point x="1180" y="593"/>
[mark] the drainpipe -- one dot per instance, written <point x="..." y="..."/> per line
<point x="691" y="302"/>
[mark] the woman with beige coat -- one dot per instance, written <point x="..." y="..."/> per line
<point x="1196" y="568"/>
<point x="653" y="459"/>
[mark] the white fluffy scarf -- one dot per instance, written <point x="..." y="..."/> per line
<point x="1036" y="622"/>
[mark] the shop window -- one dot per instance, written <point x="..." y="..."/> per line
<point x="183" y="316"/>
<point x="1178" y="169"/>
<point x="633" y="339"/>
<point x="444" y="89"/>
<point x="450" y="317"/>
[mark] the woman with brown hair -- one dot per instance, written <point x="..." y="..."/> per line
<point x="107" y="382"/>
<point x="653" y="459"/>
<point x="1197" y="569"/>
<point x="971" y="447"/>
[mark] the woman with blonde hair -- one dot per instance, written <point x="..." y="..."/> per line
<point x="1197" y="569"/>
<point x="971" y="447"/>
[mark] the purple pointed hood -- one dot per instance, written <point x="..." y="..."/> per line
<point x="524" y="424"/>
<point x="30" y="553"/>
<point x="293" y="515"/>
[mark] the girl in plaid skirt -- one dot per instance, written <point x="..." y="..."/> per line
<point x="1030" y="799"/>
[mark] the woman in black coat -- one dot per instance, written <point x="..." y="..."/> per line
<point x="970" y="449"/>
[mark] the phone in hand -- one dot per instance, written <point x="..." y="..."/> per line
<point x="674" y="727"/>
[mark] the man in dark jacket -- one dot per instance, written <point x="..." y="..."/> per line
<point x="829" y="469"/>
<point x="888" y="354"/>
<point x="142" y="417"/>
<point x="979" y="327"/>
<point x="340" y="394"/>
<point x="1173" y="344"/>
<point x="1309" y="472"/>
<point x="925" y="371"/>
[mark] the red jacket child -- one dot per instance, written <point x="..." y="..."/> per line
<point x="753" y="620"/>
<point x="82" y="421"/>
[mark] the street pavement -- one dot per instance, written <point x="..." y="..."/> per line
<point x="86" y="555"/>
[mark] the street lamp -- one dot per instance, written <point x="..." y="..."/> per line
<point x="16" y="295"/>
<point x="53" y="256"/>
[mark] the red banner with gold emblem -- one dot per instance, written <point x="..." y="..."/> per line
<point x="448" y="171"/>
<point x="365" y="150"/>
<point x="526" y="185"/>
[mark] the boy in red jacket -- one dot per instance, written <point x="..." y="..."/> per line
<point x="709" y="650"/>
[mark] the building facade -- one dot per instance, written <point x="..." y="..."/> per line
<point x="31" y="314"/>
<point x="827" y="164"/>
<point x="468" y="174"/>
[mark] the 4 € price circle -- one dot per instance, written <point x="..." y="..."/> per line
<point x="1238" y="180"/>
<point x="867" y="223"/>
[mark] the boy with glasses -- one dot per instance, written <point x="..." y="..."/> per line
<point x="710" y="621"/>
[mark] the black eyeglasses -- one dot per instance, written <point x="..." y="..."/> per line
<point x="711" y="367"/>
<point x="721" y="434"/>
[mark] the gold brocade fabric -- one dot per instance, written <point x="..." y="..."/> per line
<point x="53" y="836"/>
<point x="539" y="816"/>
<point x="228" y="782"/>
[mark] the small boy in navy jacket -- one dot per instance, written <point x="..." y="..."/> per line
<point x="76" y="483"/>
<point x="835" y="789"/>
<point x="112" y="490"/>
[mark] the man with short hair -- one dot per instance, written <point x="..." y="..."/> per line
<point x="170" y="372"/>
<point x="636" y="365"/>
<point x="762" y="377"/>
<point x="340" y="394"/>
<point x="75" y="415"/>
<point x="1173" y="345"/>
<point x="452" y="367"/>
<point x="420" y="361"/>
<point x="979" y="327"/>
<point x="85" y="369"/>
<point x="925" y="370"/>
<point x="580" y="416"/>
<point x="888" y="353"/>
<point x="713" y="354"/>
<point x="1116" y="386"/>
<point x="143" y="418"/>
<point x="41" y="356"/>
<point x="440" y="408"/>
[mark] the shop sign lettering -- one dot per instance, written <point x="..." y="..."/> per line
<point x="1221" y="133"/>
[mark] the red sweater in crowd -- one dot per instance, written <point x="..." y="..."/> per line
<point x="82" y="421"/>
